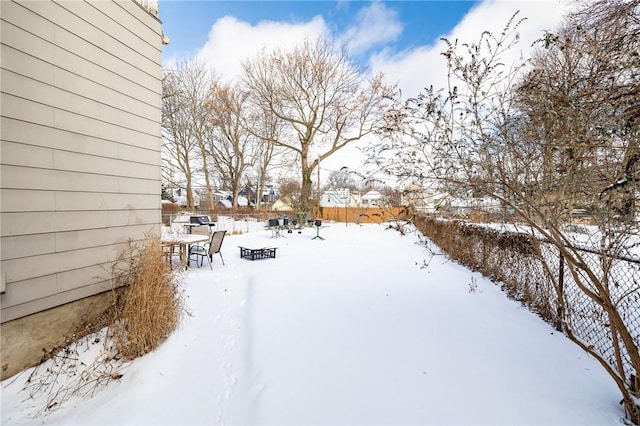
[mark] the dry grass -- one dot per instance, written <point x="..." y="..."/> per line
<point x="147" y="306"/>
<point x="151" y="305"/>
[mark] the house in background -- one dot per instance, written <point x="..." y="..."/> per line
<point x="475" y="204"/>
<point x="79" y="161"/>
<point x="282" y="204"/>
<point x="339" y="198"/>
<point x="372" y="199"/>
<point x="223" y="199"/>
<point x="423" y="199"/>
<point x="344" y="197"/>
<point x="180" y="197"/>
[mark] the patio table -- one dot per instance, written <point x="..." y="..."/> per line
<point x="184" y="243"/>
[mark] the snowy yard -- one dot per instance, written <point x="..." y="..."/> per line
<point x="364" y="327"/>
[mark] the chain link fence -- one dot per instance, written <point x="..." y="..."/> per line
<point x="585" y="318"/>
<point x="534" y="273"/>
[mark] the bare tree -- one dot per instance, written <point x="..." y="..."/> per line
<point x="564" y="134"/>
<point x="612" y="53"/>
<point x="231" y="146"/>
<point x="186" y="122"/>
<point x="339" y="179"/>
<point x="267" y="129"/>
<point x="177" y="136"/>
<point x="197" y="85"/>
<point x="323" y="99"/>
<point x="289" y="191"/>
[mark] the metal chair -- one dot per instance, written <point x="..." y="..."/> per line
<point x="209" y="249"/>
<point x="201" y="230"/>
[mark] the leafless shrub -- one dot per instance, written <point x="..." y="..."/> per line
<point x="74" y="371"/>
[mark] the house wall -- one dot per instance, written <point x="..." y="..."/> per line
<point x="80" y="111"/>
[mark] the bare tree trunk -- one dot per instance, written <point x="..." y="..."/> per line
<point x="189" y="190"/>
<point x="207" y="178"/>
<point x="307" y="183"/>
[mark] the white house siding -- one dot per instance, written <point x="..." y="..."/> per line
<point x="80" y="107"/>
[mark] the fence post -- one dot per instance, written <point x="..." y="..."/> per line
<point x="560" y="312"/>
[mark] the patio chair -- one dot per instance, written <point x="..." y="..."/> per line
<point x="169" y="251"/>
<point x="200" y="230"/>
<point x="209" y="249"/>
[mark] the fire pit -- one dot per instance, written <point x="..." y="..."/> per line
<point x="258" y="253"/>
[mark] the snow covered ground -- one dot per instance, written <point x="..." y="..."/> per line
<point x="364" y="327"/>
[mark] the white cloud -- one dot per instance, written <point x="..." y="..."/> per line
<point x="374" y="25"/>
<point x="422" y="66"/>
<point x="231" y="41"/>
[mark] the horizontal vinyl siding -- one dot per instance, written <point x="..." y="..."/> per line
<point x="72" y="87"/>
<point x="13" y="309"/>
<point x="47" y="201"/>
<point x="28" y="223"/>
<point x="31" y="133"/>
<point x="16" y="177"/>
<point x="37" y="41"/>
<point x="18" y="154"/>
<point x="80" y="107"/>
<point x="90" y="40"/>
<point x="31" y="111"/>
<point x="27" y="88"/>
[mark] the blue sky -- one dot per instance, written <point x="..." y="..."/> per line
<point x="187" y="23"/>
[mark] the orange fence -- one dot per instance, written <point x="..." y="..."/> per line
<point x="364" y="215"/>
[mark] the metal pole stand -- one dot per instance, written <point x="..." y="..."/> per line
<point x="318" y="224"/>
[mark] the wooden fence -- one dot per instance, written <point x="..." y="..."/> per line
<point x="364" y="215"/>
